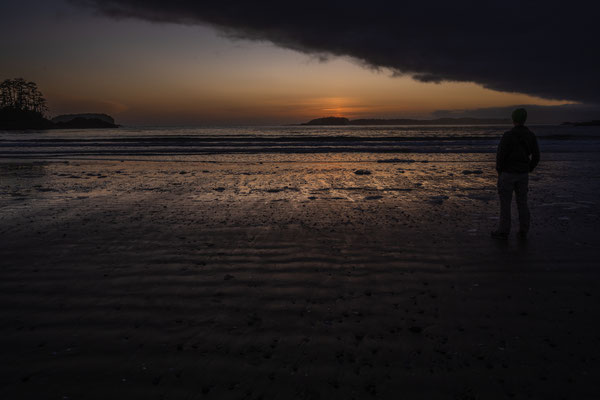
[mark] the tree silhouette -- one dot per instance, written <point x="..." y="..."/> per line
<point x="18" y="94"/>
<point x="23" y="107"/>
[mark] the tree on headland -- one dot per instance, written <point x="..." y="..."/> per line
<point x="22" y="105"/>
<point x="19" y="94"/>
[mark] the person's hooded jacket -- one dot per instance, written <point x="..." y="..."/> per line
<point x="518" y="151"/>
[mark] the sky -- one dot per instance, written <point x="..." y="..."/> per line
<point x="180" y="63"/>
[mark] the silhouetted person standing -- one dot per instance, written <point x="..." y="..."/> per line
<point x="518" y="154"/>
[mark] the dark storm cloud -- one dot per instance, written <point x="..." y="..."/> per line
<point x="544" y="48"/>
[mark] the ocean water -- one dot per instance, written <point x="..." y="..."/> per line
<point x="177" y="141"/>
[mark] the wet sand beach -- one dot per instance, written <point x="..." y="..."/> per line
<point x="350" y="276"/>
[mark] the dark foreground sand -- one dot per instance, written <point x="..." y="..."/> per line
<point x="282" y="279"/>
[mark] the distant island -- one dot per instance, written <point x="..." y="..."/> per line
<point x="22" y="107"/>
<point x="595" y="122"/>
<point x="335" y="121"/>
<point x="84" y="121"/>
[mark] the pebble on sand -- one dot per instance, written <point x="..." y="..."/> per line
<point x="438" y="199"/>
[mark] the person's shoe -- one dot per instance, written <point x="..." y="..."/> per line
<point x="522" y="235"/>
<point x="499" y="235"/>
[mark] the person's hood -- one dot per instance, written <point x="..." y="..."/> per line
<point x="520" y="128"/>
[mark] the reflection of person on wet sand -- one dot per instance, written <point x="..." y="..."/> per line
<point x="518" y="154"/>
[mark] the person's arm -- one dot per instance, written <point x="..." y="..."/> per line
<point x="535" y="155"/>
<point x="502" y="153"/>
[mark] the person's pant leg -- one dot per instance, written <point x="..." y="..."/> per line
<point x="521" y="189"/>
<point x="505" y="189"/>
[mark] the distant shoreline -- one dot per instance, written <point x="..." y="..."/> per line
<point x="341" y="121"/>
<point x="12" y="119"/>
